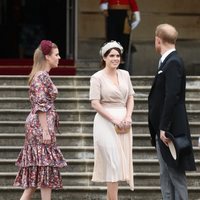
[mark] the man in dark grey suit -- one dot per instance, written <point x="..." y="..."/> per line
<point x="167" y="113"/>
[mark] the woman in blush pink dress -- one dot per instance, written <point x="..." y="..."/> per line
<point x="40" y="159"/>
<point x="112" y="96"/>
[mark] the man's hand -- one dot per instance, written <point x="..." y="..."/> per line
<point x="164" y="138"/>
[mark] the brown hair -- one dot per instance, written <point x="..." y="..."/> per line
<point x="103" y="63"/>
<point x="39" y="61"/>
<point x="167" y="33"/>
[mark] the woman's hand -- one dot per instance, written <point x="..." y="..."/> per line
<point x="46" y="137"/>
<point x="127" y="122"/>
<point x="123" y="126"/>
<point x="43" y="121"/>
<point x="118" y="123"/>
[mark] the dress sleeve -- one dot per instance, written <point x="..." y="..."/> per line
<point x="130" y="86"/>
<point x="42" y="87"/>
<point x="94" y="88"/>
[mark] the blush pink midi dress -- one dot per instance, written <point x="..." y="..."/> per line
<point x="112" y="152"/>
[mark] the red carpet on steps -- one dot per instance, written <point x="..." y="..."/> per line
<point x="23" y="67"/>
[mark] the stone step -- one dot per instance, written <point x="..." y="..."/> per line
<point x="80" y="152"/>
<point x="84" y="179"/>
<point x="68" y="115"/>
<point x="83" y="127"/>
<point x="66" y="91"/>
<point x="58" y="80"/>
<point x="83" y="115"/>
<point x="87" y="152"/>
<point x="96" y="193"/>
<point x="73" y="80"/>
<point x="86" y="165"/>
<point x="76" y="125"/>
<point x="82" y="103"/>
<point x="90" y="193"/>
<point x="85" y="80"/>
<point x="77" y="139"/>
<point x="61" y="103"/>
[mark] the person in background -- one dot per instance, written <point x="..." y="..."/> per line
<point x="112" y="96"/>
<point x="122" y="16"/>
<point x="40" y="159"/>
<point x="167" y="113"/>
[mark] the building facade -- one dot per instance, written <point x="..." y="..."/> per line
<point x="78" y="27"/>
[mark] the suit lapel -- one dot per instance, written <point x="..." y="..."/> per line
<point x="167" y="58"/>
<point x="161" y="68"/>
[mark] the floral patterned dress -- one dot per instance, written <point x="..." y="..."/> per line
<point x="39" y="164"/>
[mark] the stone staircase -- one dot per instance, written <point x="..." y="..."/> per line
<point x="76" y="141"/>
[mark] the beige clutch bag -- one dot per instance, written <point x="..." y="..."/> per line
<point x="122" y="130"/>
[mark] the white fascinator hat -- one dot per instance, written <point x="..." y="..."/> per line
<point x="110" y="45"/>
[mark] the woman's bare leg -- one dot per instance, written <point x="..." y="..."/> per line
<point x="46" y="193"/>
<point x="112" y="191"/>
<point x="27" y="194"/>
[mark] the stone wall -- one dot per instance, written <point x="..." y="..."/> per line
<point x="184" y="15"/>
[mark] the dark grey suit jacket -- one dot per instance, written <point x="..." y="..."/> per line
<point x="167" y="110"/>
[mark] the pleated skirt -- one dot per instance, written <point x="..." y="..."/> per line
<point x="112" y="152"/>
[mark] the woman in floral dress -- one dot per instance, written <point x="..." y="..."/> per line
<point x="40" y="159"/>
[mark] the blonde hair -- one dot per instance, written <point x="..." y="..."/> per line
<point x="167" y="33"/>
<point x="39" y="62"/>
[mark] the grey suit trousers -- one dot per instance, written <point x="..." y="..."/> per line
<point x="172" y="181"/>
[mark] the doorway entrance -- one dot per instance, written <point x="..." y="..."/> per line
<point x="24" y="23"/>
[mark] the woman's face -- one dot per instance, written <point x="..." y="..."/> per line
<point x="54" y="58"/>
<point x="112" y="60"/>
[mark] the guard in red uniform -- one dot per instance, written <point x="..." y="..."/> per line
<point x="118" y="21"/>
